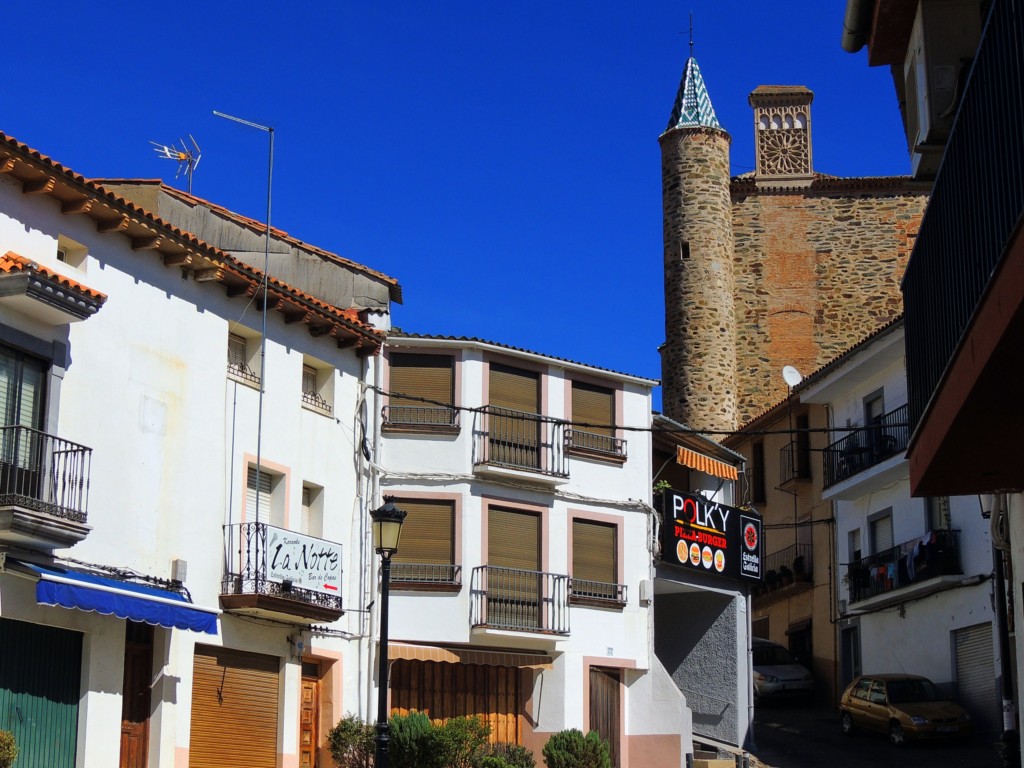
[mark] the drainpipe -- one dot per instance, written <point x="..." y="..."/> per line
<point x="857" y="24"/>
<point x="1010" y="745"/>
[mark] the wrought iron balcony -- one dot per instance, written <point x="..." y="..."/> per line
<point x="922" y="559"/>
<point x="864" y="448"/>
<point x="276" y="572"/>
<point x="518" y="600"/>
<point x="44" y="488"/>
<point x="594" y="444"/>
<point x="520" y="441"/>
<point x="421" y="418"/>
<point x="426" y="575"/>
<point x="794" y="463"/>
<point x="597" y="593"/>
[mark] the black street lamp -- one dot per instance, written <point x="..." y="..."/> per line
<point x="387" y="529"/>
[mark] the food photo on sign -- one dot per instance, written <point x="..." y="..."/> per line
<point x="706" y="535"/>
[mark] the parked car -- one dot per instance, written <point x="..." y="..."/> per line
<point x="904" y="706"/>
<point x="777" y="673"/>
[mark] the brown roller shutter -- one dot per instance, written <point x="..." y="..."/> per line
<point x="594" y="551"/>
<point x="427" y="533"/>
<point x="514" y="389"/>
<point x="513" y="596"/>
<point x="593" y="406"/>
<point x="513" y="539"/>
<point x="234" y="709"/>
<point x="426" y="376"/>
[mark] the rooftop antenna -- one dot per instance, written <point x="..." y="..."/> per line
<point x="186" y="158"/>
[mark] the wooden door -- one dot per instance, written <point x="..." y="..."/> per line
<point x="309" y="721"/>
<point x="135" y="694"/>
<point x="604" y="707"/>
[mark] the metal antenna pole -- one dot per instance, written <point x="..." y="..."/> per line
<point x="263" y="331"/>
<point x="691" y="34"/>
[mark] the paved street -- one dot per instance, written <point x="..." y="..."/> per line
<point x="807" y="737"/>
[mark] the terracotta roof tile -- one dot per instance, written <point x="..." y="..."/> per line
<point x="13" y="263"/>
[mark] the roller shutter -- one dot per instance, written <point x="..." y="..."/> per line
<point x="234" y="709"/>
<point x="975" y="675"/>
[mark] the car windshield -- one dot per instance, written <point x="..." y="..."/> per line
<point x="772" y="656"/>
<point x="910" y="691"/>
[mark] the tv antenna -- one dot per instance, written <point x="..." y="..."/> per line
<point x="186" y="158"/>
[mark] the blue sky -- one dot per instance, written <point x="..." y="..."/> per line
<point x="499" y="159"/>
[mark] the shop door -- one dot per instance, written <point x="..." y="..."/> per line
<point x="135" y="694"/>
<point x="604" y="707"/>
<point x="976" y="685"/>
<point x="40" y="677"/>
<point x="234" y="709"/>
<point x="309" y="717"/>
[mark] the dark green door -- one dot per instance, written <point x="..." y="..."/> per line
<point x="40" y="673"/>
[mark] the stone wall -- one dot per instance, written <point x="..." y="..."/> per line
<point x="816" y="271"/>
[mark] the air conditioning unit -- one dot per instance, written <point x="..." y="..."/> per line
<point x="942" y="45"/>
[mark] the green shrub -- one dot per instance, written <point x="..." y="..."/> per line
<point x="492" y="761"/>
<point x="410" y="745"/>
<point x="571" y="749"/>
<point x="459" y="742"/>
<point x="8" y="749"/>
<point x="351" y="743"/>
<point x="510" y="755"/>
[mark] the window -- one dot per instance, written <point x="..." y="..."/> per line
<point x="853" y="537"/>
<point x="593" y="416"/>
<point x="595" y="570"/>
<point x="513" y="585"/>
<point x="427" y="551"/>
<point x="513" y="425"/>
<point x="312" y="520"/>
<point x="938" y="513"/>
<point x="428" y="385"/>
<point x="803" y="446"/>
<point x="70" y="252"/>
<point x="757" y="488"/>
<point x="22" y="400"/>
<point x="316" y="387"/>
<point x="243" y="359"/>
<point x="262" y="502"/>
<point x="881" y="532"/>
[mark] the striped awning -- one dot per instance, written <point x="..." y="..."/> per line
<point x="705" y="464"/>
<point x="455" y="655"/>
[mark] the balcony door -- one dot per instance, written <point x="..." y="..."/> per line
<point x="22" y="381"/>
<point x="513" y="578"/>
<point x="514" y="427"/>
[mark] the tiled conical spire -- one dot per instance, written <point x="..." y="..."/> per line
<point x="693" y="105"/>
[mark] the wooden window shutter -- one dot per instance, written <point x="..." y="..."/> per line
<point x="595" y="407"/>
<point x="514" y="389"/>
<point x="428" y="534"/>
<point x="264" y="496"/>
<point x="237" y="357"/>
<point x="594" y="551"/>
<point x="427" y="376"/>
<point x="513" y="539"/>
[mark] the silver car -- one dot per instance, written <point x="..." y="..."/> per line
<point x="777" y="674"/>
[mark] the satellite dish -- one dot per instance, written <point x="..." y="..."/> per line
<point x="791" y="375"/>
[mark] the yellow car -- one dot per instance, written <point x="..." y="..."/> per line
<point x="904" y="706"/>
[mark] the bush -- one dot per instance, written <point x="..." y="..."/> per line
<point x="8" y="749"/>
<point x="459" y="742"/>
<point x="351" y="743"/>
<point x="571" y="749"/>
<point x="410" y="745"/>
<point x="509" y="756"/>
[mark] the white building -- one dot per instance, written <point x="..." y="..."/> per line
<point x="522" y="589"/>
<point x="159" y="482"/>
<point x="914" y="587"/>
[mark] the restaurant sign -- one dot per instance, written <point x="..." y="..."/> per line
<point x="708" y="536"/>
<point x="305" y="561"/>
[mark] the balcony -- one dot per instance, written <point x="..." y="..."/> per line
<point x="794" y="463"/>
<point x="964" y="286"/>
<point x="281" y="574"/>
<point x="598" y="594"/>
<point x="787" y="573"/>
<point x="866" y="448"/>
<point x="521" y="445"/>
<point x="579" y="442"/>
<point x="426" y="576"/>
<point x="421" y="418"/>
<point x="44" y="489"/>
<point x="519" y="601"/>
<point x="916" y="567"/>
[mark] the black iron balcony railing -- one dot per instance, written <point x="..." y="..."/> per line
<point x="264" y="560"/>
<point x="45" y="473"/>
<point x="244" y="373"/>
<point x="976" y="204"/>
<point x="514" y="599"/>
<point x="794" y="560"/>
<point x="593" y="442"/>
<point x="426" y="573"/>
<point x="794" y="462"/>
<point x="426" y="416"/>
<point x="864" y="448"/>
<point x="520" y="440"/>
<point x="597" y="592"/>
<point x="316" y="402"/>
<point x="937" y="553"/>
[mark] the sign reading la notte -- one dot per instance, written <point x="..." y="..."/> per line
<point x="306" y="562"/>
<point x="707" y="536"/>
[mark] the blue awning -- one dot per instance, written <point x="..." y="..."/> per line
<point x="87" y="592"/>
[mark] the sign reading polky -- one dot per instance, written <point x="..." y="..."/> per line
<point x="307" y="562"/>
<point x="707" y="536"/>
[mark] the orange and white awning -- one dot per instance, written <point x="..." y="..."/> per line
<point x="450" y="655"/>
<point x="705" y="464"/>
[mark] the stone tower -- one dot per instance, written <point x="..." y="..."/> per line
<point x="698" y="358"/>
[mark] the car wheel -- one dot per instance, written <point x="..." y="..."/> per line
<point x="896" y="735"/>
<point x="847" y="723"/>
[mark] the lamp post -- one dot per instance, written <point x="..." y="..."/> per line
<point x="387" y="529"/>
